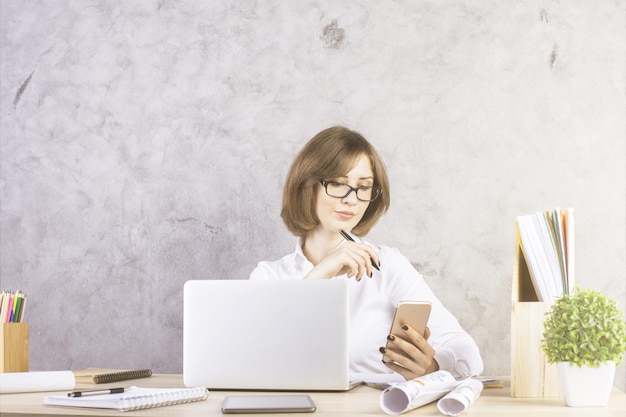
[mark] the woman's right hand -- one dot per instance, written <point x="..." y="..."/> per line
<point x="351" y="258"/>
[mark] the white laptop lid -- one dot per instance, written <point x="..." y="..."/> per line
<point x="266" y="335"/>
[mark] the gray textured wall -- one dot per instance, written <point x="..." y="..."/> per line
<point x="145" y="144"/>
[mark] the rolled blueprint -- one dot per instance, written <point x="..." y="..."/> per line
<point x="417" y="392"/>
<point x="460" y="398"/>
<point x="36" y="381"/>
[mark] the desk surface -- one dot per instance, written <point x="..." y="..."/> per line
<point x="361" y="401"/>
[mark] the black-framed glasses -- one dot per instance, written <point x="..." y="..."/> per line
<point x="341" y="190"/>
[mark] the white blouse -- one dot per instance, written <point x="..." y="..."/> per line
<point x="372" y="306"/>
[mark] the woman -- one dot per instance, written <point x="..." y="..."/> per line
<point x="337" y="183"/>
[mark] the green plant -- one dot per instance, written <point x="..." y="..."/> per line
<point x="584" y="328"/>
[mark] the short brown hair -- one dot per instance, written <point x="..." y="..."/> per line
<point x="331" y="153"/>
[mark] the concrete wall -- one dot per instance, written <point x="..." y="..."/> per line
<point x="146" y="143"/>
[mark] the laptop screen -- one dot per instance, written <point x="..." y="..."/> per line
<point x="266" y="335"/>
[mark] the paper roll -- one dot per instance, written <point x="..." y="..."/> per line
<point x="460" y="398"/>
<point x="406" y="396"/>
<point x="13" y="382"/>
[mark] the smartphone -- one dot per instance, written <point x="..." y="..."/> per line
<point x="238" y="404"/>
<point x="413" y="313"/>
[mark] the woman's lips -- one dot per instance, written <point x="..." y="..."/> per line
<point x="345" y="214"/>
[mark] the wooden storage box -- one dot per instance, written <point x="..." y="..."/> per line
<point x="531" y="375"/>
<point x="14" y="347"/>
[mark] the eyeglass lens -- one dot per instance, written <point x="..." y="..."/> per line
<point x="341" y="190"/>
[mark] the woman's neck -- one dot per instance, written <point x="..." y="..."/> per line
<point x="319" y="244"/>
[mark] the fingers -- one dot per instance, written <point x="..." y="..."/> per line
<point x="351" y="258"/>
<point x="427" y="333"/>
<point x="406" y="374"/>
<point x="339" y="264"/>
<point x="354" y="259"/>
<point x="410" y="353"/>
<point x="363" y="255"/>
<point x="359" y="261"/>
<point x="355" y="268"/>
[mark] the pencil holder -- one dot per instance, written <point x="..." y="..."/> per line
<point x="531" y="374"/>
<point x="14" y="347"/>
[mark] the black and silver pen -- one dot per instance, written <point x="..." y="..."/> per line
<point x="95" y="392"/>
<point x="349" y="238"/>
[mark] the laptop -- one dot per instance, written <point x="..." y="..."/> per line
<point x="266" y="335"/>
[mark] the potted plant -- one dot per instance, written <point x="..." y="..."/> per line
<point x="585" y="335"/>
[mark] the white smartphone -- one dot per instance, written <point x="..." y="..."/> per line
<point x="238" y="404"/>
<point x="413" y="313"/>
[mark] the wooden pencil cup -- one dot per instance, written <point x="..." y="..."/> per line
<point x="14" y="347"/>
<point x="531" y="374"/>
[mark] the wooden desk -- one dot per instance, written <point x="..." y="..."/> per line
<point x="361" y="401"/>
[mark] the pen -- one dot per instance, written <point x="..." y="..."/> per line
<point x="95" y="392"/>
<point x="349" y="238"/>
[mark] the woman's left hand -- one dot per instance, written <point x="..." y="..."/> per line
<point x="410" y="354"/>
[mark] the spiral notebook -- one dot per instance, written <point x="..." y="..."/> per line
<point x="104" y="375"/>
<point x="134" y="398"/>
